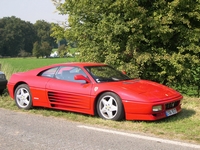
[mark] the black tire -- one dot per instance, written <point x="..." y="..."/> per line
<point x="23" y="98"/>
<point x="110" y="107"/>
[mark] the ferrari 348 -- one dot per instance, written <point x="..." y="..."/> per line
<point x="93" y="88"/>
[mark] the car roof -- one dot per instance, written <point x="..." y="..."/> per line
<point x="35" y="71"/>
<point x="80" y="64"/>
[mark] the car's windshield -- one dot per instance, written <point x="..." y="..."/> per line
<point x="106" y="74"/>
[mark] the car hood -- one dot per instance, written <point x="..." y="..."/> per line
<point x="146" y="90"/>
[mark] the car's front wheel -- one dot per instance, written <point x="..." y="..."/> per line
<point x="109" y="106"/>
<point x="23" y="97"/>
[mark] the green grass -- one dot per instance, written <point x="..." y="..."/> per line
<point x="184" y="126"/>
<point x="12" y="65"/>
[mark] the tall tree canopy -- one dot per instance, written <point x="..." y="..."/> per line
<point x="154" y="39"/>
<point x="43" y="30"/>
<point x="16" y="35"/>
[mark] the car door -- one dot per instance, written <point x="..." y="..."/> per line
<point x="66" y="93"/>
<point x="38" y="86"/>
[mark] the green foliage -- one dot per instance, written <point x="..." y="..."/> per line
<point x="41" y="49"/>
<point x="16" y="35"/>
<point x="23" y="53"/>
<point x="156" y="40"/>
<point x="57" y="31"/>
<point x="62" y="50"/>
<point x="46" y="49"/>
<point x="36" y="50"/>
<point x="43" y="30"/>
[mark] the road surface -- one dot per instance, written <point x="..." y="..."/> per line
<point x="25" y="131"/>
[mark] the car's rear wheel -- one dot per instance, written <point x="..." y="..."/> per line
<point x="110" y="107"/>
<point x="23" y="97"/>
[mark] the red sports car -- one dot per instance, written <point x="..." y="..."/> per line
<point x="92" y="88"/>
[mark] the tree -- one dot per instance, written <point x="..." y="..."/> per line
<point x="157" y="39"/>
<point x="16" y="35"/>
<point x="43" y="30"/>
<point x="62" y="50"/>
<point x="41" y="49"/>
<point x="23" y="53"/>
<point x="45" y="49"/>
<point x="57" y="32"/>
<point x="36" y="50"/>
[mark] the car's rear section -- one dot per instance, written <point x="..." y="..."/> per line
<point x="11" y="84"/>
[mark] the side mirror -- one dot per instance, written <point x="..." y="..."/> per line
<point x="81" y="77"/>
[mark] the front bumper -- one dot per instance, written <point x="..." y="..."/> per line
<point x="143" y="111"/>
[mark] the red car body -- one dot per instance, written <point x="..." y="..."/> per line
<point x="140" y="99"/>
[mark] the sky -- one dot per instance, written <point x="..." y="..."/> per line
<point x="31" y="10"/>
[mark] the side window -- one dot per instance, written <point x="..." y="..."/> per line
<point x="68" y="73"/>
<point x="49" y="73"/>
<point x="60" y="72"/>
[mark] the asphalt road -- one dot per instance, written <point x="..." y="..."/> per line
<point x="24" y="131"/>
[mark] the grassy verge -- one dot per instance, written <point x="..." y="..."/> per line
<point x="183" y="126"/>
